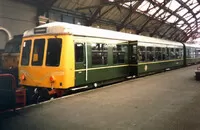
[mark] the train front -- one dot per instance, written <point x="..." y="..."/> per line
<point x="10" y="56"/>
<point x="46" y="60"/>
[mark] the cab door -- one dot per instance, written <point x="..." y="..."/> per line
<point x="133" y="60"/>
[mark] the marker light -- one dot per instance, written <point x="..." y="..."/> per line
<point x="52" y="79"/>
<point x="23" y="77"/>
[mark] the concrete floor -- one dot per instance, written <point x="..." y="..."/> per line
<point x="165" y="101"/>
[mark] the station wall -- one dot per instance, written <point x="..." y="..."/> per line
<point x="15" y="17"/>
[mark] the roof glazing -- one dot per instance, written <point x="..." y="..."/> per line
<point x="185" y="13"/>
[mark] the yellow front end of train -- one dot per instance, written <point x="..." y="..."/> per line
<point x="47" y="61"/>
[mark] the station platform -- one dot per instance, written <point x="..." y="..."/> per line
<point x="164" y="101"/>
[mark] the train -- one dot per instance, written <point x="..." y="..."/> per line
<point x="58" y="56"/>
<point x="10" y="56"/>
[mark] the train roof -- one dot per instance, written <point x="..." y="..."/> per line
<point x="61" y="27"/>
<point x="192" y="45"/>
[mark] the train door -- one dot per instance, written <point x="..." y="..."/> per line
<point x="81" y="63"/>
<point x="133" y="62"/>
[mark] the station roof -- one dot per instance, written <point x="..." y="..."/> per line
<point x="177" y="20"/>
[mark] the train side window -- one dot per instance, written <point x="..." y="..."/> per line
<point x="195" y="53"/>
<point x="99" y="54"/>
<point x="38" y="52"/>
<point x="79" y="54"/>
<point x="192" y="52"/>
<point x="188" y="53"/>
<point x="150" y="54"/>
<point x="26" y="52"/>
<point x="53" y="52"/>
<point x="164" y="57"/>
<point x="172" y="53"/>
<point x="141" y="53"/>
<point x="181" y="53"/>
<point x="158" y="53"/>
<point x="119" y="53"/>
<point x="177" y="53"/>
<point x="167" y="53"/>
<point x="198" y="52"/>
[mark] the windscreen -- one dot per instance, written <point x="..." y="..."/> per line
<point x="13" y="46"/>
<point x="26" y="52"/>
<point x="53" y="52"/>
<point x="38" y="52"/>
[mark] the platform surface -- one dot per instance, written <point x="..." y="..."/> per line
<point x="164" y="101"/>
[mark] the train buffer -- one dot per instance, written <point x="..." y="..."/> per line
<point x="11" y="97"/>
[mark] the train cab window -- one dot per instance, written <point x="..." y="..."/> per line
<point x="150" y="54"/>
<point x="53" y="52"/>
<point x="13" y="46"/>
<point x="79" y="48"/>
<point x="26" y="52"/>
<point x="38" y="52"/>
<point x="99" y="54"/>
<point x="141" y="53"/>
<point x="119" y="53"/>
<point x="158" y="54"/>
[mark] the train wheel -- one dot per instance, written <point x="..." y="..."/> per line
<point x="92" y="86"/>
<point x="44" y="94"/>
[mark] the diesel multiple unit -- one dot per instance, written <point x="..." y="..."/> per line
<point x="61" y="56"/>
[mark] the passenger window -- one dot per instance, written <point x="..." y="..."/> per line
<point x="197" y="53"/>
<point x="119" y="53"/>
<point x="172" y="53"/>
<point x="26" y="52"/>
<point x="79" y="55"/>
<point x="99" y="54"/>
<point x="188" y="53"/>
<point x="158" y="54"/>
<point x="164" y="57"/>
<point x="53" y="52"/>
<point x="192" y="52"/>
<point x="141" y="53"/>
<point x="167" y="53"/>
<point x="38" y="52"/>
<point x="177" y="53"/>
<point x="181" y="53"/>
<point x="150" y="54"/>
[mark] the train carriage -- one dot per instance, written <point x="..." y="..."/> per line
<point x="192" y="53"/>
<point x="156" y="56"/>
<point x="59" y="56"/>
